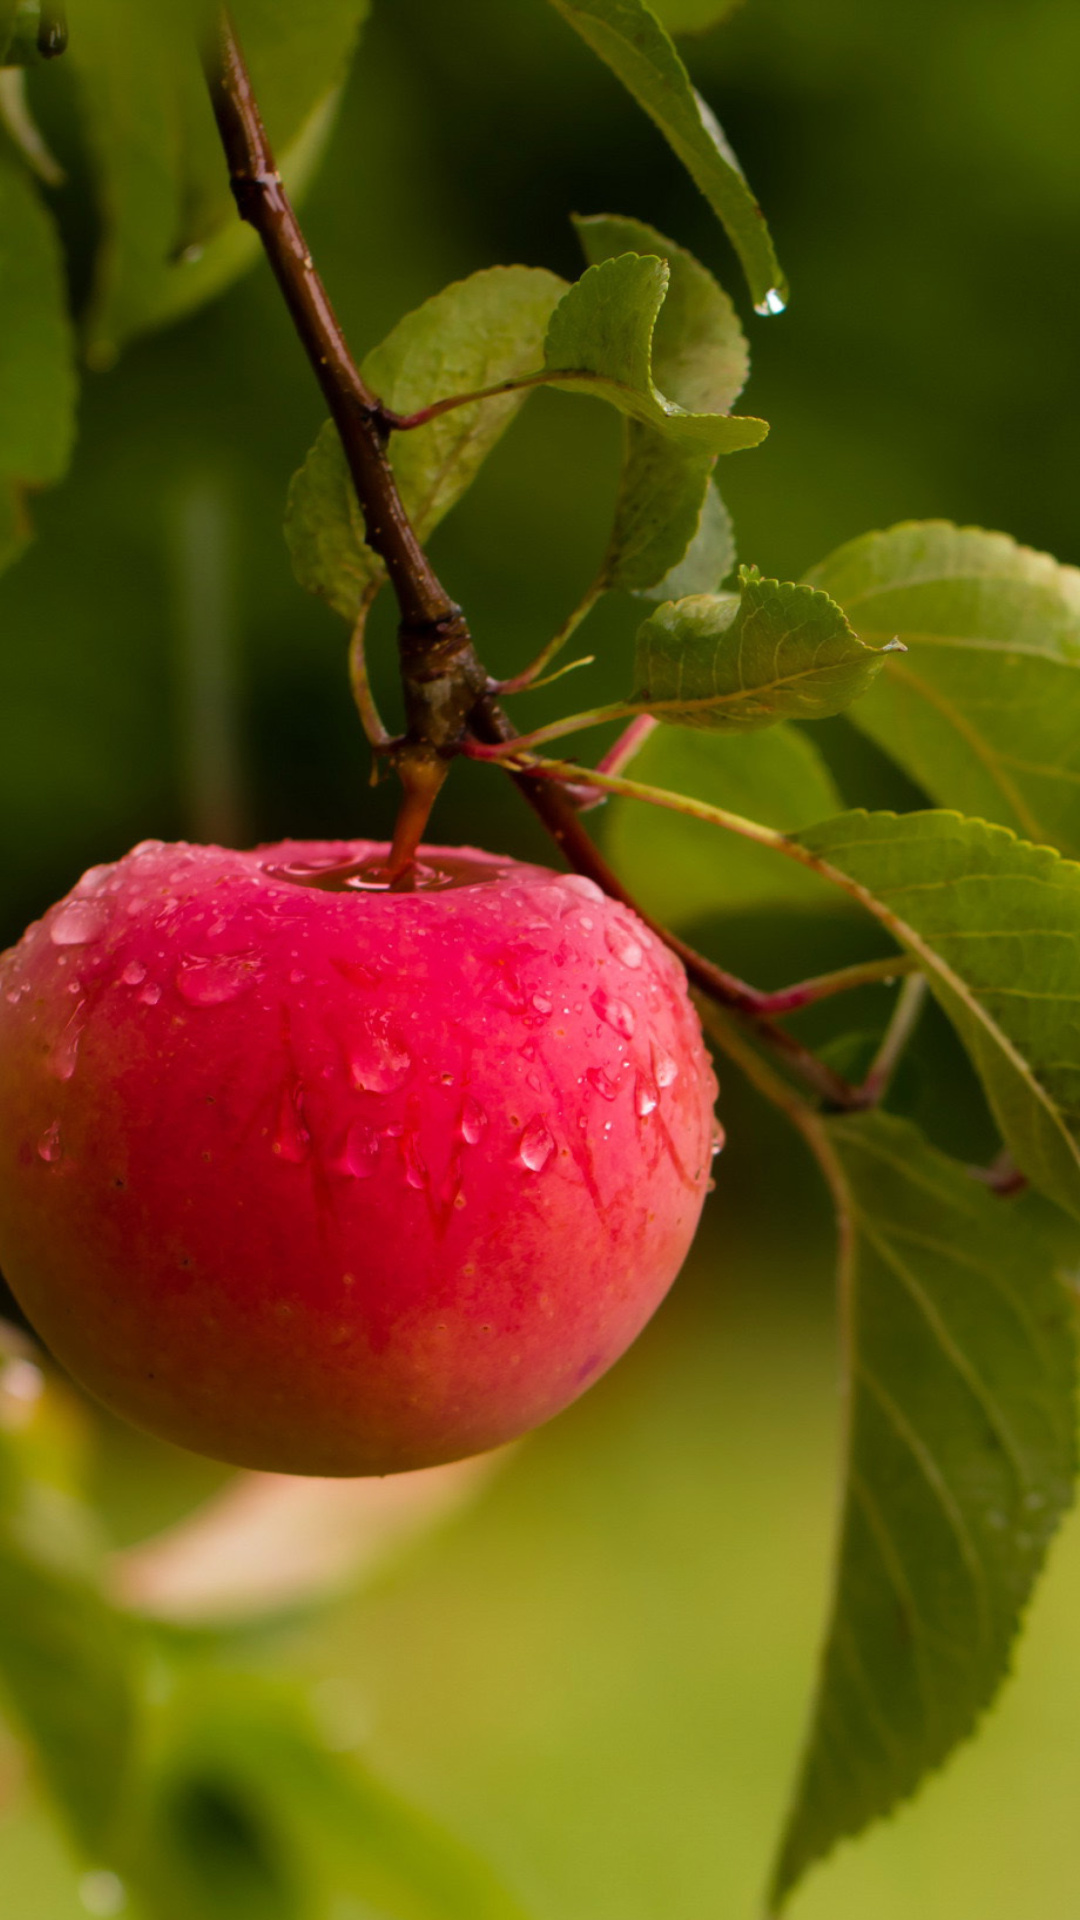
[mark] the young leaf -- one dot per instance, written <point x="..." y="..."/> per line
<point x="959" y="1464"/>
<point x="984" y="709"/>
<point x="995" y="923"/>
<point x="630" y="39"/>
<point x="37" y="376"/>
<point x="700" y="361"/>
<point x="683" y="870"/>
<point x="600" y="341"/>
<point x="739" y="661"/>
<point x="474" y="334"/>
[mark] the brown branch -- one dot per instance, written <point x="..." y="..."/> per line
<point x="441" y="673"/>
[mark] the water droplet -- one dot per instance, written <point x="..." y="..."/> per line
<point x="360" y="1153"/>
<point x="150" y="995"/>
<point x="606" y="1088"/>
<point x="773" y="303"/>
<point x="646" y="1096"/>
<point x="719" y="1139"/>
<point x="377" y="1062"/>
<point x="79" y="922"/>
<point x="93" y="880"/>
<point x="415" y="1171"/>
<point x="102" y="1893"/>
<point x="134" y="974"/>
<point x="665" y="1069"/>
<point x="624" y="944"/>
<point x="208" y="980"/>
<point x="541" y="1004"/>
<point x="147" y="846"/>
<point x="293" y="1141"/>
<point x="578" y="883"/>
<point x="64" y="1055"/>
<point x="615" y="1012"/>
<point x="473" y="1121"/>
<point x="49" y="1147"/>
<point x="537" y="1146"/>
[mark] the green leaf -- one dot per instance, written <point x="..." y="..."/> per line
<point x="984" y="709"/>
<point x="251" y="1817"/>
<point x="959" y="1465"/>
<point x="30" y="31"/>
<point x="739" y="661"/>
<point x="692" y="16"/>
<point x="700" y="360"/>
<point x="474" y="334"/>
<point x="37" y="376"/>
<point x="995" y="923"/>
<point x="630" y="39"/>
<point x="172" y="237"/>
<point x="683" y="870"/>
<point x="600" y="341"/>
<point x="66" y="1656"/>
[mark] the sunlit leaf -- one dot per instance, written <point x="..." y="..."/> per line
<point x="984" y="709"/>
<point x="631" y="40"/>
<point x="600" y="341"/>
<point x="700" y="361"/>
<point x="960" y="1458"/>
<point x="474" y="334"/>
<point x="996" y="925"/>
<point x="37" y="378"/>
<point x="740" y="661"/>
<point x="682" y="870"/>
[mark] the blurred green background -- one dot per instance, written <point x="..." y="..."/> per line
<point x="599" y="1675"/>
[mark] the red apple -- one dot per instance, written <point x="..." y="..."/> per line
<point x="314" y="1175"/>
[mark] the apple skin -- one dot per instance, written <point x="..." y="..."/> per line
<point x="334" y="1181"/>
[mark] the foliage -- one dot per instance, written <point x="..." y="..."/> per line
<point x="955" y="651"/>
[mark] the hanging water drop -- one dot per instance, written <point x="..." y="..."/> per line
<point x="49" y="1147"/>
<point x="773" y="303"/>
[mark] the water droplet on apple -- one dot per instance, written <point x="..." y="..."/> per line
<point x="209" y="980"/>
<point x="360" y="1154"/>
<point x="473" y="1121"/>
<point x="665" y="1069"/>
<point x="646" y="1096"/>
<point x="134" y="974"/>
<point x="606" y="1088"/>
<point x="150" y="995"/>
<point x="541" y="1004"/>
<point x="415" y="1171"/>
<point x="580" y="884"/>
<point x="49" y="1147"/>
<point x="377" y="1062"/>
<point x="537" y="1146"/>
<point x="616" y="1013"/>
<point x="292" y="1141"/>
<point x="623" y="943"/>
<point x="719" y="1139"/>
<point x="64" y="1055"/>
<point x="79" y="922"/>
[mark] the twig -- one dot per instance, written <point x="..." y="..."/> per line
<point x="905" y="1018"/>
